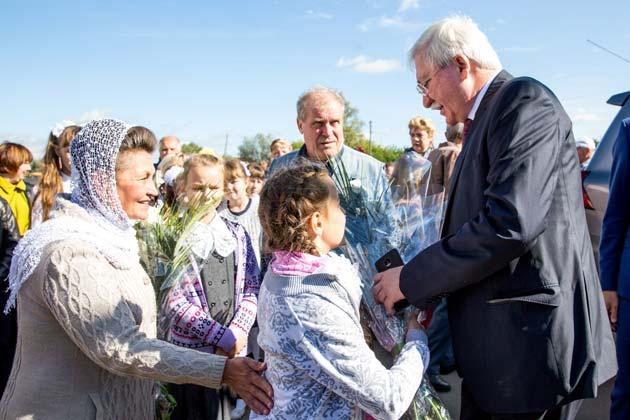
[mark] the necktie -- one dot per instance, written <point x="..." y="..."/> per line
<point x="466" y="128"/>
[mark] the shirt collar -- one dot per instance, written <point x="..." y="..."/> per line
<point x="7" y="186"/>
<point x="480" y="95"/>
<point x="302" y="151"/>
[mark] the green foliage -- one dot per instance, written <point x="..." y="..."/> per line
<point x="256" y="148"/>
<point x="191" y="148"/>
<point x="354" y="137"/>
<point x="163" y="245"/>
<point x="37" y="165"/>
<point x="297" y="144"/>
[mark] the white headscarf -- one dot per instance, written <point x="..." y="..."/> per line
<point x="94" y="215"/>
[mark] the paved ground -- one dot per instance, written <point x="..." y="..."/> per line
<point x="596" y="409"/>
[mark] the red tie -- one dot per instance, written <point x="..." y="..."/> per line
<point x="466" y="128"/>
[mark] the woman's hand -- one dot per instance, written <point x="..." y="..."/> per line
<point x="244" y="376"/>
<point x="240" y="344"/>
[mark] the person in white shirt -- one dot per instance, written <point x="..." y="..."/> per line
<point x="585" y="148"/>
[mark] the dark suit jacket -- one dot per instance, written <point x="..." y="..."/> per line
<point x="527" y="316"/>
<point x="614" y="249"/>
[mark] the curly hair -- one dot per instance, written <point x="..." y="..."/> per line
<point x="423" y="124"/>
<point x="287" y="199"/>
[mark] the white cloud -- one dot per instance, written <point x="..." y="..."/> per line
<point x="95" y="114"/>
<point x="364" y="64"/>
<point x="520" y="49"/>
<point x="408" y="4"/>
<point x="318" y="15"/>
<point x="37" y="145"/>
<point x="587" y="117"/>
<point x="501" y="21"/>
<point x="388" y="22"/>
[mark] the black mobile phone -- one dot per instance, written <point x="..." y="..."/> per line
<point x="392" y="259"/>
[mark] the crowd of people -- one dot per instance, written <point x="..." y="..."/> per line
<point x="265" y="314"/>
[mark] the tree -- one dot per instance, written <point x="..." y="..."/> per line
<point x="256" y="148"/>
<point x="354" y="137"/>
<point x="352" y="125"/>
<point x="191" y="148"/>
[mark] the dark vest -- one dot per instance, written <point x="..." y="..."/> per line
<point x="217" y="278"/>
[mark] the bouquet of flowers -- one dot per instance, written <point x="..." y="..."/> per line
<point x="407" y="215"/>
<point x="164" y="254"/>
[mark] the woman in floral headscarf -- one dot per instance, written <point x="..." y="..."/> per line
<point x="86" y="311"/>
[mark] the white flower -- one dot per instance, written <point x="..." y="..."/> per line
<point x="355" y="184"/>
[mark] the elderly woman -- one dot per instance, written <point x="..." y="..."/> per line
<point x="413" y="168"/>
<point x="87" y="344"/>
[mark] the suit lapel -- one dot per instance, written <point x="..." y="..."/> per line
<point x="498" y="81"/>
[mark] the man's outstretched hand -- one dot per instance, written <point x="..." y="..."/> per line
<point x="386" y="288"/>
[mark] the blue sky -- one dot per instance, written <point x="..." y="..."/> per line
<point x="204" y="70"/>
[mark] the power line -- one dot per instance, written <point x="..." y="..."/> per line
<point x="609" y="51"/>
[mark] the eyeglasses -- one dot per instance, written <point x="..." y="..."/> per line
<point x="423" y="88"/>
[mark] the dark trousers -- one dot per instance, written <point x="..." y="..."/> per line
<point x="440" y="343"/>
<point x="620" y="407"/>
<point x="471" y="411"/>
<point x="8" y="338"/>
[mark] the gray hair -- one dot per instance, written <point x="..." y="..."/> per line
<point x="317" y="90"/>
<point x="169" y="137"/>
<point x="457" y="34"/>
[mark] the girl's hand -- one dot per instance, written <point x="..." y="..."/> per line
<point x="241" y="343"/>
<point x="412" y="323"/>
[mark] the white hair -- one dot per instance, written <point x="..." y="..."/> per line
<point x="454" y="35"/>
<point x="316" y="90"/>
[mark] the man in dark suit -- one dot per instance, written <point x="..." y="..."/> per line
<point x="526" y="311"/>
<point x="614" y="262"/>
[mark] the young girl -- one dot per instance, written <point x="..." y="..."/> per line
<point x="318" y="362"/>
<point x="56" y="173"/>
<point x="256" y="179"/>
<point x="238" y="206"/>
<point x="214" y="306"/>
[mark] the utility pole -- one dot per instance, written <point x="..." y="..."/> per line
<point x="370" y="142"/>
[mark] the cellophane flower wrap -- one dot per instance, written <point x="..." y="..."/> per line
<point x="407" y="214"/>
<point x="165" y="256"/>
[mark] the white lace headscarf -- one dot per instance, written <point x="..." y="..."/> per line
<point x="94" y="215"/>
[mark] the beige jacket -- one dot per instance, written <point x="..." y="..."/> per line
<point x="442" y="164"/>
<point x="87" y="346"/>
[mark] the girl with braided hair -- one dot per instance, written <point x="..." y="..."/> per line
<point x="318" y="361"/>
